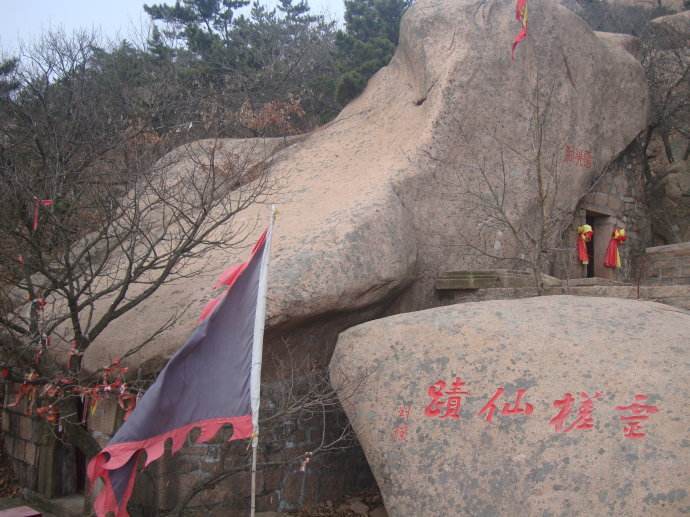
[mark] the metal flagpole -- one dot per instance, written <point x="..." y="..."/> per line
<point x="257" y="351"/>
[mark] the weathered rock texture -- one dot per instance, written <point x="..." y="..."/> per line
<point x="670" y="204"/>
<point x="672" y="31"/>
<point x="370" y="202"/>
<point x="521" y="464"/>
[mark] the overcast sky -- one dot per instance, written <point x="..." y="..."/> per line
<point x="24" y="20"/>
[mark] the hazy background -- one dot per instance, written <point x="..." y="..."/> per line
<point x="24" y="20"/>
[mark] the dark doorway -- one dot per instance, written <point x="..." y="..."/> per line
<point x="602" y="225"/>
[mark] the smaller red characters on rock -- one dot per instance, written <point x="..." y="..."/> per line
<point x="404" y="412"/>
<point x="453" y="404"/>
<point x="587" y="159"/>
<point x="515" y="409"/>
<point x="400" y="433"/>
<point x="569" y="154"/>
<point x="640" y="412"/>
<point x="584" y="420"/>
<point x="5" y="372"/>
<point x="581" y="157"/>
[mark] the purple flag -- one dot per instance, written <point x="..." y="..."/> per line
<point x="205" y="385"/>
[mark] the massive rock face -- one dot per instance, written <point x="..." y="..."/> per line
<point x="589" y="413"/>
<point x="370" y="203"/>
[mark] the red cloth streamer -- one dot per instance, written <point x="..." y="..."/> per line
<point x="613" y="257"/>
<point x="27" y="389"/>
<point x="39" y="203"/>
<point x="127" y="401"/>
<point x="521" y="16"/>
<point x="584" y="235"/>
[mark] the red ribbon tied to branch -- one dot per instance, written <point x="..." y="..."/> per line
<point x="37" y="204"/>
<point x="521" y="16"/>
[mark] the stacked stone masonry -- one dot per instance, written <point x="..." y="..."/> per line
<point x="668" y="264"/>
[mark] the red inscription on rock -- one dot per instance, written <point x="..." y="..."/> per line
<point x="515" y="409"/>
<point x="404" y="412"/>
<point x="580" y="157"/>
<point x="449" y="407"/>
<point x="400" y="433"/>
<point x="584" y="420"/>
<point x="640" y="412"/>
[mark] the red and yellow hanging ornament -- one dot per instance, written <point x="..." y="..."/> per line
<point x="613" y="257"/>
<point x="584" y="235"/>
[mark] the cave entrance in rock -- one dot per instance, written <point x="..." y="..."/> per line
<point x="602" y="224"/>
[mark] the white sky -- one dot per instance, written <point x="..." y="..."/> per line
<point x="24" y="20"/>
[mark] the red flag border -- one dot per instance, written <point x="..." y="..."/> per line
<point x="119" y="454"/>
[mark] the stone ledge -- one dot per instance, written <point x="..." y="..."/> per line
<point x="674" y="295"/>
<point x="681" y="248"/>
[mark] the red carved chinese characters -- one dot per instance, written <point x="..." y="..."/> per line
<point x="575" y="411"/>
<point x="584" y="420"/>
<point x="490" y="407"/>
<point x="640" y="412"/>
<point x="580" y="157"/>
<point x="400" y="433"/>
<point x="452" y="405"/>
<point x="569" y="154"/>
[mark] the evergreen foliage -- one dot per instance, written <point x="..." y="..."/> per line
<point x="367" y="44"/>
<point x="248" y="60"/>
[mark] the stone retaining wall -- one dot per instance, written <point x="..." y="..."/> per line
<point x="668" y="264"/>
<point x="41" y="461"/>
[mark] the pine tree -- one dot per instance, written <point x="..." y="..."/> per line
<point x="372" y="30"/>
<point x="251" y="59"/>
<point x="7" y="82"/>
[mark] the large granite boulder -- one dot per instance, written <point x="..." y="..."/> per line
<point x="672" y="31"/>
<point x="369" y="207"/>
<point x="542" y="406"/>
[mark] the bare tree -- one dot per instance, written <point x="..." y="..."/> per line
<point x="520" y="221"/>
<point x="93" y="222"/>
<point x="666" y="60"/>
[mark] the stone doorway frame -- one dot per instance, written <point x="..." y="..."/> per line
<point x="602" y="211"/>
